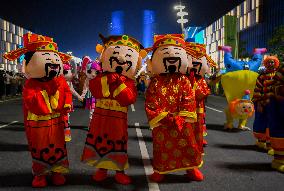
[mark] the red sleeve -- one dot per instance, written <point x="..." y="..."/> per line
<point x="127" y="92"/>
<point x="188" y="97"/>
<point x="202" y="90"/>
<point x="154" y="110"/>
<point x="33" y="99"/>
<point x="95" y="86"/>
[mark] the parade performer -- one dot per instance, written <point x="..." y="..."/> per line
<point x="46" y="100"/>
<point x="244" y="74"/>
<point x="170" y="108"/>
<point x="82" y="75"/>
<point x="201" y="65"/>
<point x="92" y="69"/>
<point x="67" y="72"/>
<point x="114" y="90"/>
<point x="276" y="128"/>
<point x="261" y="98"/>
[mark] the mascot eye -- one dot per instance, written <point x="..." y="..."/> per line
<point x="176" y="53"/>
<point x="115" y="52"/>
<point x="244" y="107"/>
<point x="128" y="55"/>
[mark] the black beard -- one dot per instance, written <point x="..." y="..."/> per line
<point x="172" y="67"/>
<point x="51" y="74"/>
<point x="195" y="64"/>
<point x="113" y="58"/>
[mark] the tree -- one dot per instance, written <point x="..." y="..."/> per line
<point x="276" y="43"/>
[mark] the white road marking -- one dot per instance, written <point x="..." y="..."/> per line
<point x="214" y="109"/>
<point x="153" y="186"/>
<point x="8" y="124"/>
<point x="132" y="107"/>
<point x="9" y="100"/>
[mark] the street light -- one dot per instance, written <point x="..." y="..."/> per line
<point x="181" y="14"/>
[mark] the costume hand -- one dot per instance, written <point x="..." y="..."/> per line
<point x="112" y="77"/>
<point x="179" y="122"/>
<point x="168" y="120"/>
<point x="80" y="98"/>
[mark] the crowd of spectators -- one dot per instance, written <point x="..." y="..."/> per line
<point x="11" y="84"/>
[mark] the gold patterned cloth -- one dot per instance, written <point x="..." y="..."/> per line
<point x="174" y="148"/>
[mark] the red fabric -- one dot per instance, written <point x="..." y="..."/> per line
<point x="201" y="93"/>
<point x="107" y="137"/>
<point x="174" y="147"/>
<point x="114" y="80"/>
<point x="45" y="137"/>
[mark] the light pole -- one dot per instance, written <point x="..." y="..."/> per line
<point x="181" y="14"/>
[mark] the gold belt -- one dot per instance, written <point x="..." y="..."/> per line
<point x="111" y="105"/>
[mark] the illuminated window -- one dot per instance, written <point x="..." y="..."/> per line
<point x="8" y="48"/>
<point x="252" y="4"/>
<point x="245" y="21"/>
<point x="238" y="11"/>
<point x="249" y="19"/>
<point x="4" y="25"/>
<point x="241" y="23"/>
<point x="257" y="15"/>
<point x="4" y="36"/>
<point x="245" y="7"/>
<point x="257" y="3"/>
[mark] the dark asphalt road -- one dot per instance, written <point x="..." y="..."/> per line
<point x="231" y="163"/>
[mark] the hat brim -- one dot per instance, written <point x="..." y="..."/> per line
<point x="15" y="54"/>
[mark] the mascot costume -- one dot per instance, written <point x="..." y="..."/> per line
<point x="276" y="127"/>
<point x="171" y="110"/>
<point x="261" y="98"/>
<point x="67" y="72"/>
<point x="244" y="74"/>
<point x="46" y="100"/>
<point x="201" y="65"/>
<point x="114" y="90"/>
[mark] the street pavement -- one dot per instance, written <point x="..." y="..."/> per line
<point x="231" y="161"/>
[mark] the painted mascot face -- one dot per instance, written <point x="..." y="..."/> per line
<point x="200" y="66"/>
<point x="121" y="59"/>
<point x="44" y="64"/>
<point x="68" y="75"/>
<point x="244" y="108"/>
<point x="169" y="59"/>
<point x="90" y="72"/>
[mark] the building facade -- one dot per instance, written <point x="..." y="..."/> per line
<point x="11" y="37"/>
<point x="116" y="26"/>
<point x="149" y="27"/>
<point x="247" y="26"/>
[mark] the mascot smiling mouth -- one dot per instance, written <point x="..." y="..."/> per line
<point x="52" y="70"/>
<point x="171" y="64"/>
<point x="119" y="68"/>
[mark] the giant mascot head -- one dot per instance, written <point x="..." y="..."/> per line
<point x="42" y="59"/>
<point x="169" y="55"/>
<point x="200" y="60"/>
<point x="121" y="54"/>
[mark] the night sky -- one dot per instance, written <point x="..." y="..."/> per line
<point x="75" y="24"/>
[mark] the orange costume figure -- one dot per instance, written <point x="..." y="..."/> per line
<point x="114" y="90"/>
<point x="46" y="100"/>
<point x="170" y="108"/>
<point x="201" y="64"/>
